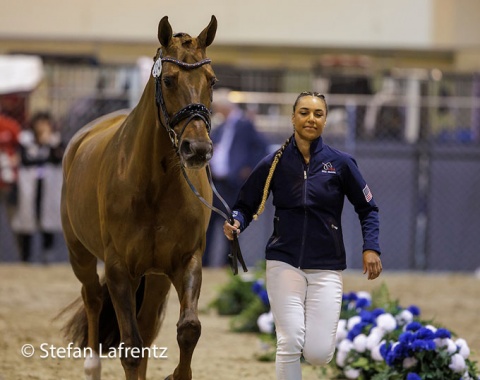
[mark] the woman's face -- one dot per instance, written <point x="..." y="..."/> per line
<point x="309" y="117"/>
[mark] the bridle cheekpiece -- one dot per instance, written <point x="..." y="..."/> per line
<point x="190" y="111"/>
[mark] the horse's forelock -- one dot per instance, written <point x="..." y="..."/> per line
<point x="185" y="45"/>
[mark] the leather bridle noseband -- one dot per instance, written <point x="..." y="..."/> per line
<point x="190" y="112"/>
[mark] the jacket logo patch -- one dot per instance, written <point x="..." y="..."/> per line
<point x="328" y="168"/>
<point x="367" y="193"/>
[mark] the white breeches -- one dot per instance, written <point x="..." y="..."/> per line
<point x="306" y="309"/>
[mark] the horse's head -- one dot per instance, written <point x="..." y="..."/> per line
<point x="184" y="88"/>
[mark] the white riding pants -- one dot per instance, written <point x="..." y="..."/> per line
<point x="306" y="308"/>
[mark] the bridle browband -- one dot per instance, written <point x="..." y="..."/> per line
<point x="190" y="112"/>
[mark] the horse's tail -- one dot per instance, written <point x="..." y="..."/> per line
<point x="76" y="329"/>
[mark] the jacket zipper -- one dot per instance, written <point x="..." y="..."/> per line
<point x="335" y="237"/>
<point x="304" y="234"/>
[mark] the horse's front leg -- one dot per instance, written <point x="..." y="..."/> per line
<point x="187" y="283"/>
<point x="122" y="291"/>
<point x="151" y="314"/>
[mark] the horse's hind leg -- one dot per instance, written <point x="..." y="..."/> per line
<point x="84" y="265"/>
<point x="151" y="314"/>
<point x="187" y="283"/>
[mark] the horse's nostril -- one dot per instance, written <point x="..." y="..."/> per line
<point x="195" y="149"/>
<point x="186" y="149"/>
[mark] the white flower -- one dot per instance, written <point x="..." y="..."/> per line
<point x="404" y="317"/>
<point x="342" y="324"/>
<point x="441" y="342"/>
<point x="363" y="294"/>
<point x="345" y="346"/>
<point x="360" y="343"/>
<point x="451" y="347"/>
<point x="265" y="323"/>
<point x="457" y="363"/>
<point x="431" y="328"/>
<point x="464" y="349"/>
<point x="375" y="353"/>
<point x="353" y="321"/>
<point x="374" y="338"/>
<point x="341" y="358"/>
<point x="446" y="342"/>
<point x="341" y="330"/>
<point x="386" y="322"/>
<point x="341" y="335"/>
<point x="352" y="373"/>
<point x="409" y="362"/>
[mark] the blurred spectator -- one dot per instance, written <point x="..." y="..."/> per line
<point x="9" y="132"/>
<point x="384" y="118"/>
<point x="87" y="109"/>
<point x="39" y="186"/>
<point x="237" y="148"/>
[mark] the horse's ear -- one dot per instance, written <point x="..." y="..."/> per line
<point x="164" y="31"/>
<point x="207" y="35"/>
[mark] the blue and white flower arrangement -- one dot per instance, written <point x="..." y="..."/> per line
<point x="376" y="338"/>
<point x="393" y="343"/>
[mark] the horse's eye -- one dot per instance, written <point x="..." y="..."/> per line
<point x="213" y="82"/>
<point x="168" y="82"/>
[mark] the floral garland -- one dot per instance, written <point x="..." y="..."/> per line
<point x="376" y="338"/>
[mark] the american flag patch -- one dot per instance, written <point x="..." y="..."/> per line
<point x="367" y="193"/>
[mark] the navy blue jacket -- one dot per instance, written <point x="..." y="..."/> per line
<point x="308" y="202"/>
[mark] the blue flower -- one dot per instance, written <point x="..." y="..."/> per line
<point x="413" y="326"/>
<point x="377" y="312"/>
<point x="352" y="296"/>
<point x="397" y="353"/>
<point x="356" y="330"/>
<point x="442" y="333"/>
<point x="423" y="345"/>
<point x="413" y="376"/>
<point x="363" y="303"/>
<point x="264" y="297"/>
<point x="407" y="337"/>
<point x="424" y="333"/>
<point x="415" y="310"/>
<point x="258" y="286"/>
<point x="385" y="348"/>
<point x="367" y="316"/>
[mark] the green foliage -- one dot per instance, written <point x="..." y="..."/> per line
<point x="268" y="343"/>
<point x="381" y="299"/>
<point x="233" y="297"/>
<point x="246" y="321"/>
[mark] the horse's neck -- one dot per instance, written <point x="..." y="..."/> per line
<point x="144" y="141"/>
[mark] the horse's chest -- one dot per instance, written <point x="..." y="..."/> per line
<point x="164" y="217"/>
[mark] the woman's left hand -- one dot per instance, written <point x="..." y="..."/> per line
<point x="372" y="264"/>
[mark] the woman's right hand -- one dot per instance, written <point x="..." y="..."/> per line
<point x="229" y="229"/>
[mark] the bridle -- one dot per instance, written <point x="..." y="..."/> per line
<point x="190" y="112"/>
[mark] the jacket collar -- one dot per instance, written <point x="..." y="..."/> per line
<point x="317" y="145"/>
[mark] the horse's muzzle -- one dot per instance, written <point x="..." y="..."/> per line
<point x="196" y="154"/>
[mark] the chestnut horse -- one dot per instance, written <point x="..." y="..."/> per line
<point x="126" y="202"/>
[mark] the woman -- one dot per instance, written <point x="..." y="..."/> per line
<point x="39" y="186"/>
<point x="305" y="254"/>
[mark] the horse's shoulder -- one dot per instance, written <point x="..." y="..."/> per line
<point x="94" y="129"/>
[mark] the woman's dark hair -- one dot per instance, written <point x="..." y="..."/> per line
<point x="310" y="93"/>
